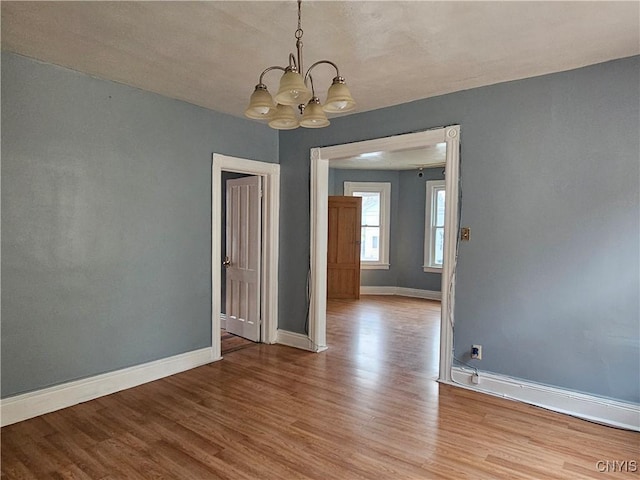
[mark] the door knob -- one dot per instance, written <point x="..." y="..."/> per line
<point x="226" y="262"/>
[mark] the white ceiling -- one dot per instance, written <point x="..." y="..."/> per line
<point x="412" y="159"/>
<point x="211" y="53"/>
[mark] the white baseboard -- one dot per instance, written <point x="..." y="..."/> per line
<point x="416" y="293"/>
<point x="589" y="407"/>
<point x="29" y="405"/>
<point x="402" y="291"/>
<point x="378" y="290"/>
<point x="297" y="340"/>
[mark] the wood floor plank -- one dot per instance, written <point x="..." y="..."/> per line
<point x="367" y="408"/>
<point x="256" y="464"/>
<point x="70" y="472"/>
<point x="84" y="461"/>
<point x="130" y="463"/>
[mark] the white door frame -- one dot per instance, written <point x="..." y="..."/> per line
<point x="270" y="173"/>
<point x="320" y="159"/>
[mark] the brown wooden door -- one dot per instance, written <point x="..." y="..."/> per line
<point x="343" y="248"/>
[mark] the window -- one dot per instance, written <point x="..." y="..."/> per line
<point x="374" y="242"/>
<point x="434" y="227"/>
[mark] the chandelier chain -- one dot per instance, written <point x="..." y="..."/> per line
<point x="299" y="31"/>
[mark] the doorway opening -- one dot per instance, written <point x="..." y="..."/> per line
<point x="321" y="159"/>
<point x="269" y="175"/>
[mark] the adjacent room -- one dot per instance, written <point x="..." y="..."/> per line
<point x="416" y="256"/>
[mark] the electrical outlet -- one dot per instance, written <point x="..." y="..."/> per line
<point x="476" y="352"/>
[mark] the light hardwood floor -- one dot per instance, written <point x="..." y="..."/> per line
<point x="368" y="408"/>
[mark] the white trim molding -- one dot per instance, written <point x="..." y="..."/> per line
<point x="320" y="161"/>
<point x="374" y="266"/>
<point x="318" y="251"/>
<point x="427" y="269"/>
<point x="589" y="407"/>
<point x="297" y="340"/>
<point x="270" y="173"/>
<point x="31" y="404"/>
<point x="401" y="291"/>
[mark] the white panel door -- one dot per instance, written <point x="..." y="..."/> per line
<point x="242" y="259"/>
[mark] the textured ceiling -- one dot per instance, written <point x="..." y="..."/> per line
<point x="211" y="53"/>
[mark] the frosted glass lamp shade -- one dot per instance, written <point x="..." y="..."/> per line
<point x="261" y="106"/>
<point x="292" y="90"/>
<point x="284" y="118"/>
<point x="339" y="98"/>
<point x="313" y="116"/>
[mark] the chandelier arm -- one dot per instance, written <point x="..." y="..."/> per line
<point x="313" y="90"/>
<point x="318" y="63"/>
<point x="292" y="62"/>
<point x="266" y="70"/>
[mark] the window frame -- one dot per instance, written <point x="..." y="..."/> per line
<point x="433" y="186"/>
<point x="384" y="189"/>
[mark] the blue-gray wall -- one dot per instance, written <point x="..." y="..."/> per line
<point x="106" y="222"/>
<point x="549" y="283"/>
<point x="410" y="236"/>
<point x="406" y="239"/>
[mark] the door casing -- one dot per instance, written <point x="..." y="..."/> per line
<point x="270" y="173"/>
<point x="320" y="160"/>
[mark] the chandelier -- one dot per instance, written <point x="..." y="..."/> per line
<point x="294" y="91"/>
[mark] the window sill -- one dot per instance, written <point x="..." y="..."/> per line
<point x="431" y="269"/>
<point x="374" y="266"/>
